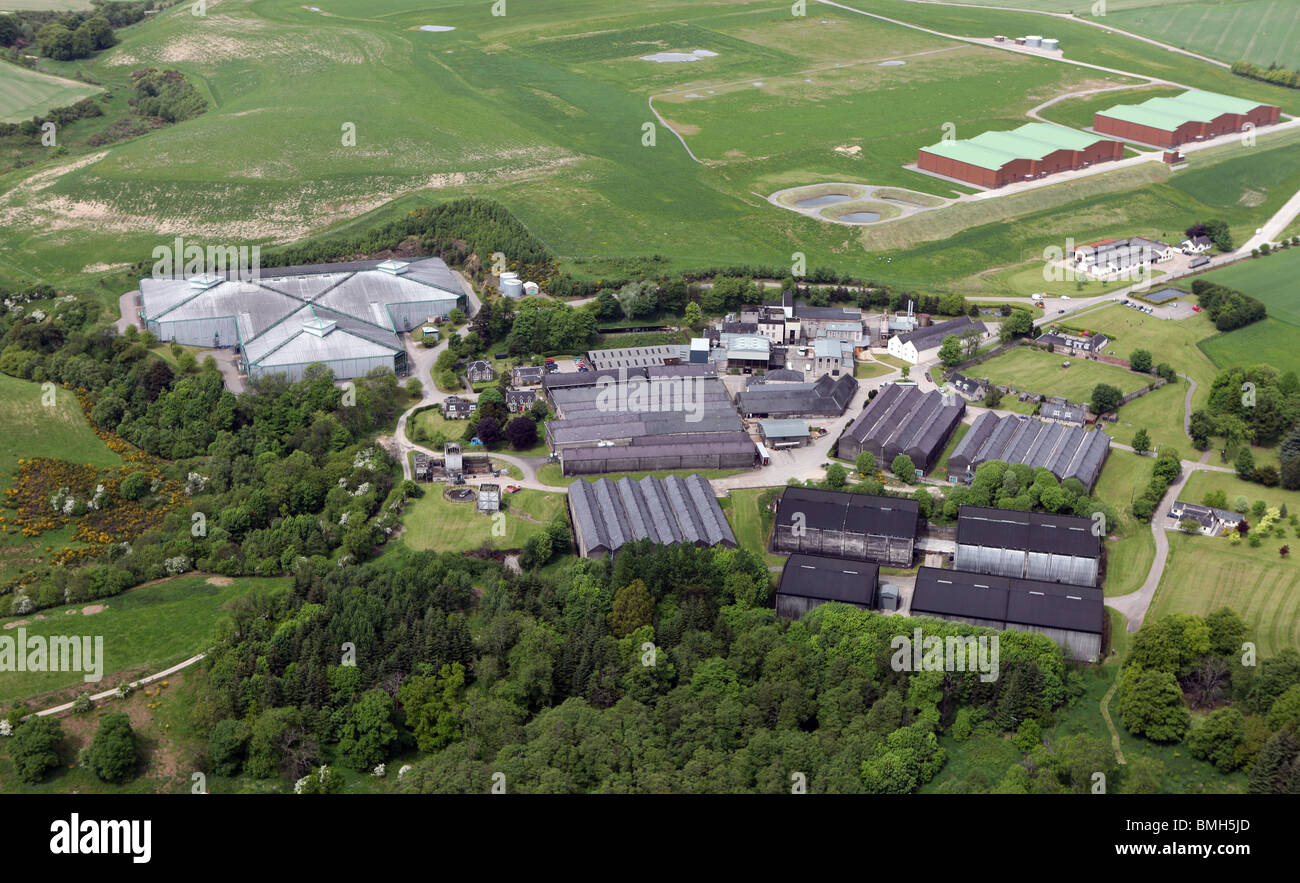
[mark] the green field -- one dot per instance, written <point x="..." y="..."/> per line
<point x="1262" y="31"/>
<point x="29" y="429"/>
<point x="750" y="523"/>
<point x="145" y="630"/>
<point x="564" y="149"/>
<point x="25" y="93"/>
<point x="1128" y="559"/>
<point x="1205" y="573"/>
<point x="442" y="525"/>
<point x="1271" y="280"/>
<point x="1268" y="342"/>
<point x="1033" y="370"/>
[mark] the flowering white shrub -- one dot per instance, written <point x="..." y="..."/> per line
<point x="364" y="459"/>
<point x="177" y="565"/>
<point x="380" y="771"/>
<point x="23" y="604"/>
<point x="404" y="770"/>
<point x="194" y="483"/>
<point x="6" y="728"/>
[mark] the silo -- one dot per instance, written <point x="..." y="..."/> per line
<point x="1050" y="44"/>
<point x="452" y="459"/>
<point x="1034" y="42"/>
<point x="511" y="286"/>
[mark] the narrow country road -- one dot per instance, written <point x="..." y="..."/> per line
<point x="67" y="706"/>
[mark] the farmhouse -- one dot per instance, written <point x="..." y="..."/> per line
<point x="527" y="375"/>
<point x="1028" y="545"/>
<point x="346" y="316"/>
<point x="520" y="399"/>
<point x="924" y="342"/>
<point x="457" y="408"/>
<point x="1072" y="616"/>
<point x="1066" y="452"/>
<point x="608" y="514"/>
<point x="1034" y="150"/>
<point x="970" y="388"/>
<point x="1212" y="521"/>
<point x="1196" y="245"/>
<point x="479" y="371"/>
<point x="1073" y="343"/>
<point x="825" y="397"/>
<point x="860" y="527"/>
<point x="1058" y="410"/>
<point x="903" y="420"/>
<point x="808" y="581"/>
<point x="1192" y="116"/>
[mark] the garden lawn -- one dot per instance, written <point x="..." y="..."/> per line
<point x="436" y="523"/>
<point x="750" y="523"/>
<point x="1033" y="370"/>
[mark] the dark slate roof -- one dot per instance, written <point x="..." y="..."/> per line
<point x="971" y="386"/>
<point x="521" y="396"/>
<point x="830" y="579"/>
<point x="1027" y="531"/>
<point x="739" y="327"/>
<point x="1067" y="451"/>
<point x="828" y="396"/>
<point x="856" y="513"/>
<point x="902" y="419"/>
<point x="830" y="314"/>
<point x="930" y="336"/>
<point x="562" y="379"/>
<point x="527" y="371"/>
<point x="780" y="375"/>
<point x="608" y="514"/>
<point x="1093" y="343"/>
<point x="1012" y="602"/>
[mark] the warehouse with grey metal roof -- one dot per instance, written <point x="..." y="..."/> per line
<point x="903" y="420"/>
<point x="609" y="514"/>
<point x="1065" y="451"/>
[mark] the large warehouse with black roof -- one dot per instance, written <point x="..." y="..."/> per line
<point x="1065" y="451"/>
<point x="861" y="527"/>
<point x="808" y="581"/>
<point x="1070" y="615"/>
<point x="1028" y="545"/>
<point x="903" y="420"/>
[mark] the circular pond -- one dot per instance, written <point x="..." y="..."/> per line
<point x="828" y="199"/>
<point x="859" y="217"/>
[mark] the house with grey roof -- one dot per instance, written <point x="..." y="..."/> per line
<point x="346" y="316"/>
<point x="609" y="514"/>
<point x="457" y="408"/>
<point x="480" y="370"/>
<point x="520" y="399"/>
<point x="527" y="375"/>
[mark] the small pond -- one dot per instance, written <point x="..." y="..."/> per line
<point x="828" y="199"/>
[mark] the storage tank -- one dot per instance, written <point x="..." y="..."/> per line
<point x="888" y="597"/>
<point x="1050" y="44"/>
<point x="511" y="286"/>
<point x="1034" y="42"/>
<point x="923" y="319"/>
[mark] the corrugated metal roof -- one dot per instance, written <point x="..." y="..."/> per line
<point x="783" y="428"/>
<point x="608" y="514"/>
<point x="1170" y="113"/>
<point x="993" y="150"/>
<point x="1006" y="600"/>
<point x="830" y="579"/>
<point x="1027" y="531"/>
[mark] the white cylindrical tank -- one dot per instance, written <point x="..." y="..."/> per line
<point x="511" y="287"/>
<point x="1034" y="42"/>
<point x="1050" y="44"/>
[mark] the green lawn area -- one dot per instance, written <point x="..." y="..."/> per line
<point x="750" y="523"/>
<point x="892" y="360"/>
<point x="27" y="93"/>
<point x="552" y="474"/>
<point x="1027" y="279"/>
<point x="866" y="370"/>
<point x="940" y="469"/>
<point x="1206" y="573"/>
<point x="1033" y="370"/>
<point x="1203" y="481"/>
<point x="145" y="630"/>
<point x="1271" y="280"/>
<point x="1128" y="559"/>
<point x="1269" y="342"/>
<point x="1175" y="341"/>
<point x="1160" y="412"/>
<point x="30" y="429"/>
<point x="434" y="522"/>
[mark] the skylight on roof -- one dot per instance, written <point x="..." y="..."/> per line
<point x="395" y="268"/>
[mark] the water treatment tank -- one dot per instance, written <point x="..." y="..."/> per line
<point x="1050" y="44"/>
<point x="1034" y="42"/>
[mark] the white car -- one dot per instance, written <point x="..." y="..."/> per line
<point x="1065" y="297"/>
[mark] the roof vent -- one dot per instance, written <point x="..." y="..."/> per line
<point x="393" y="268"/>
<point x="207" y="280"/>
<point x="319" y="327"/>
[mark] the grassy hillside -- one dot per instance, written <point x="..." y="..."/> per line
<point x="145" y="631"/>
<point x="26" y="93"/>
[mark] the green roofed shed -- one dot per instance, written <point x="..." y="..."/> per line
<point x="1033" y="141"/>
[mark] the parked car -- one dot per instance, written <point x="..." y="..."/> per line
<point x="1195" y="308"/>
